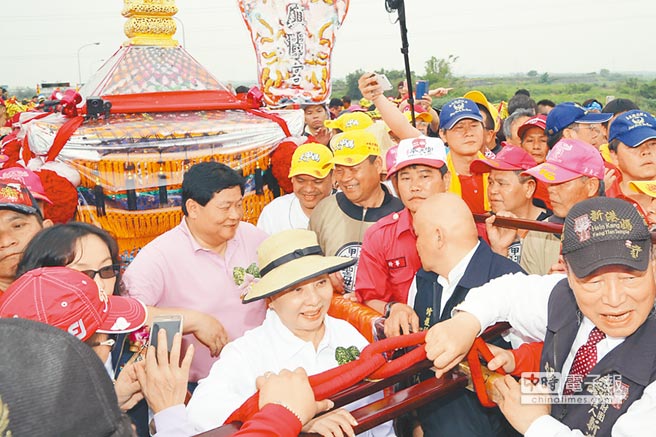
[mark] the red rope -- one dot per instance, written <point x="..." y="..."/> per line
<point x="63" y="135"/>
<point x="273" y="117"/>
<point x="372" y="365"/>
<point x="479" y="347"/>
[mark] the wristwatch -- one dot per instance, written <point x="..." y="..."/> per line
<point x="388" y="308"/>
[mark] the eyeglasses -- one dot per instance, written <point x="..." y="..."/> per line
<point x="591" y="127"/>
<point x="109" y="342"/>
<point x="106" y="272"/>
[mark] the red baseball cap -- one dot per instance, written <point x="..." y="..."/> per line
<point x="510" y="158"/>
<point x="26" y="177"/>
<point x="70" y="300"/>
<point x="16" y="196"/>
<point x="539" y="120"/>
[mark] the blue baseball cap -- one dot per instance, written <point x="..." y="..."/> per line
<point x="564" y="114"/>
<point x="458" y="109"/>
<point x="633" y="128"/>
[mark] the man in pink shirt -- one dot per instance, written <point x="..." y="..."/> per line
<point x="193" y="269"/>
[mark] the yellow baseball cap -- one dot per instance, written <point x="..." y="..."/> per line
<point x="352" y="147"/>
<point x="646" y="187"/>
<point x="311" y="159"/>
<point x="479" y="97"/>
<point x="365" y="103"/>
<point x="350" y="121"/>
<point x="420" y="116"/>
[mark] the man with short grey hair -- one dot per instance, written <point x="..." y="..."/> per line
<point x="512" y="123"/>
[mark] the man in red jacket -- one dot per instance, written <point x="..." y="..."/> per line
<point x="388" y="258"/>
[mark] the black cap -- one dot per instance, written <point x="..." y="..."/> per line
<point x="617" y="106"/>
<point x="604" y="231"/>
<point x="53" y="384"/>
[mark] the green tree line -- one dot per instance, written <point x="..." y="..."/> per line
<point x="542" y="85"/>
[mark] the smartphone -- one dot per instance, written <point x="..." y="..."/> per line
<point x="421" y="89"/>
<point x="384" y="82"/>
<point x="170" y="323"/>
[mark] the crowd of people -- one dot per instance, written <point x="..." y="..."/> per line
<point x="397" y="216"/>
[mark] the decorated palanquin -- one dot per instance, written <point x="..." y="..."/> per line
<point x="131" y="166"/>
<point x="167" y="113"/>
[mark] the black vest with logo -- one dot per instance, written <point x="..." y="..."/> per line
<point x="460" y="413"/>
<point x="632" y="364"/>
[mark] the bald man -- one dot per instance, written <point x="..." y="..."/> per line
<point x="454" y="260"/>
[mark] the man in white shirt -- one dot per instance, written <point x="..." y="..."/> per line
<point x="598" y="325"/>
<point x="454" y="260"/>
<point x="311" y="175"/>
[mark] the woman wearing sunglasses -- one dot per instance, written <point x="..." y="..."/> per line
<point x="77" y="245"/>
<point x="87" y="249"/>
<point x="92" y="251"/>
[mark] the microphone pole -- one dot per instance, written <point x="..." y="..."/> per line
<point x="399" y="6"/>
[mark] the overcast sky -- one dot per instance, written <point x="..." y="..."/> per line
<point x="42" y="37"/>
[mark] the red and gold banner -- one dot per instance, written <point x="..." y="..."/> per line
<point x="293" y="41"/>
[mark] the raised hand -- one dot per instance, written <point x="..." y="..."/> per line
<point x="293" y="391"/>
<point x="448" y="342"/>
<point x="163" y="378"/>
<point x="402" y="320"/>
<point x="210" y="332"/>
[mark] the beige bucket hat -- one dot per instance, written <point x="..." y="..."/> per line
<point x="289" y="258"/>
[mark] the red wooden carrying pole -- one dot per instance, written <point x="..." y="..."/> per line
<point x="518" y="223"/>
<point x="392" y="406"/>
<point x="530" y="225"/>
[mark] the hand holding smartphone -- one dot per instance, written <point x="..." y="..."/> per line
<point x="421" y="89"/>
<point x="384" y="82"/>
<point x="170" y="323"/>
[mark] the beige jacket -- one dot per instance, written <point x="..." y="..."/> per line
<point x="540" y="251"/>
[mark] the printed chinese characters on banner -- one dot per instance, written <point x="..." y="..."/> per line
<point x="293" y="41"/>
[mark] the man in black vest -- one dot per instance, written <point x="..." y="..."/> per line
<point x="598" y="325"/>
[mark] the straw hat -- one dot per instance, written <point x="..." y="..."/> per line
<point x="289" y="258"/>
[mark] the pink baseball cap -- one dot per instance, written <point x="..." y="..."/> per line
<point x="510" y="158"/>
<point x="568" y="160"/>
<point x="390" y="158"/>
<point x="70" y="300"/>
<point x="26" y="177"/>
<point x="427" y="151"/>
<point x="417" y="107"/>
<point x="539" y="121"/>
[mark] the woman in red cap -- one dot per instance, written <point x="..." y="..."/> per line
<point x="94" y="312"/>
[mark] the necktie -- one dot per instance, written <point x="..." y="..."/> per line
<point x="584" y="360"/>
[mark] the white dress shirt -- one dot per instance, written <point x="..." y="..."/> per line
<point x="281" y="214"/>
<point x="523" y="300"/>
<point x="270" y="347"/>
<point x="450" y="283"/>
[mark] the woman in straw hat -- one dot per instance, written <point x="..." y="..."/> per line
<point x="297" y="332"/>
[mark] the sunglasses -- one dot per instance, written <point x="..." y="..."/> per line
<point x="106" y="272"/>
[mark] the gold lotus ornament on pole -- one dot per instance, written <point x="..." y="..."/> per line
<point x="150" y="22"/>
